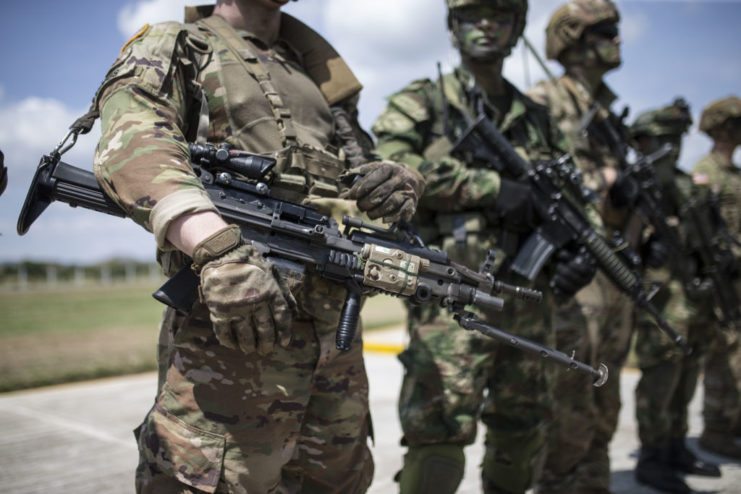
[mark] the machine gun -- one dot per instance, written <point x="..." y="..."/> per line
<point x="559" y="198"/>
<point x="362" y="257"/>
<point x="711" y="242"/>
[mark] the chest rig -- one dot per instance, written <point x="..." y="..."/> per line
<point x="247" y="109"/>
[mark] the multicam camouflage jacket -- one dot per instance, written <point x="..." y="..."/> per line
<point x="568" y="101"/>
<point x="724" y="179"/>
<point x="418" y="128"/>
<point x="174" y="83"/>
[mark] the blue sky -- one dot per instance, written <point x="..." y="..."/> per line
<point x="55" y="53"/>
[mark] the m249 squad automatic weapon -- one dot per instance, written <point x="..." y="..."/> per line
<point x="362" y="257"/>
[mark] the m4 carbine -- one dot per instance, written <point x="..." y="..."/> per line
<point x="559" y="200"/>
<point x="362" y="257"/>
<point x="711" y="242"/>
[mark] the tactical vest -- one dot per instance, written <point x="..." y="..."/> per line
<point x="281" y="111"/>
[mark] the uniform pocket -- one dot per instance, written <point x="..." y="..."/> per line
<point x="193" y="456"/>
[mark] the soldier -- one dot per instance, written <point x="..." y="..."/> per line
<point x="582" y="36"/>
<point x="721" y="120"/>
<point x="668" y="376"/>
<point x="454" y="377"/>
<point x="256" y="397"/>
<point x="3" y="173"/>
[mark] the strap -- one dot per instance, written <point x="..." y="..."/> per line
<point x="252" y="64"/>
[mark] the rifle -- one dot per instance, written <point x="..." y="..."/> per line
<point x="712" y="245"/>
<point x="648" y="202"/>
<point x="364" y="258"/>
<point x="559" y="197"/>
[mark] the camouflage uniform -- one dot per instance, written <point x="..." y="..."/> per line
<point x="722" y="381"/>
<point x="668" y="375"/>
<point x="296" y="419"/>
<point x="454" y="377"/>
<point x="586" y="417"/>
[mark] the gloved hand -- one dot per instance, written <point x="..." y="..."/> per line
<point x="249" y="308"/>
<point x="387" y="190"/>
<point x="655" y="252"/>
<point x="515" y="206"/>
<point x="573" y="271"/>
<point x="624" y="191"/>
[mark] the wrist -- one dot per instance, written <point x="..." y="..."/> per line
<point x="216" y="245"/>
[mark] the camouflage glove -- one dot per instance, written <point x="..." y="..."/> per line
<point x="249" y="308"/>
<point x="624" y="191"/>
<point x="655" y="252"/>
<point x="573" y="272"/>
<point x="386" y="189"/>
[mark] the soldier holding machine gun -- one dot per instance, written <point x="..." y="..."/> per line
<point x="256" y="396"/>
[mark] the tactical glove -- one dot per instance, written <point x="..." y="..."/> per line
<point x="515" y="206"/>
<point x="655" y="252"/>
<point x="249" y="308"/>
<point x="624" y="191"/>
<point x="573" y="271"/>
<point x="387" y="190"/>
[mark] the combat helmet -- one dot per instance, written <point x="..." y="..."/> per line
<point x="674" y="119"/>
<point x="518" y="6"/>
<point x="718" y="112"/>
<point x="568" y="23"/>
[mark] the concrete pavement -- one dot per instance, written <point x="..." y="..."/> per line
<point x="77" y="438"/>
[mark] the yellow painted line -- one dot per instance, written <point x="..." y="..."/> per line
<point x="392" y="348"/>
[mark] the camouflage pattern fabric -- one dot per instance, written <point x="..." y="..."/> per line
<point x="722" y="380"/>
<point x="296" y="419"/>
<point x="587" y="417"/>
<point x="568" y="22"/>
<point x="668" y="376"/>
<point x="448" y="370"/>
<point x="717" y="112"/>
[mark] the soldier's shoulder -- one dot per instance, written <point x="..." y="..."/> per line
<point x="413" y="99"/>
<point x="154" y="39"/>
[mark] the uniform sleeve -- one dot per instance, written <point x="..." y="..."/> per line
<point x="404" y="134"/>
<point x="142" y="159"/>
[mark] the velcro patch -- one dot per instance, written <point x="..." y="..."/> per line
<point x="138" y="34"/>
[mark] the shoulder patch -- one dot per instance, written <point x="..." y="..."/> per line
<point x="138" y="34"/>
<point x="700" y="179"/>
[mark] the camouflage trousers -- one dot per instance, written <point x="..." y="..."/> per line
<point x="295" y="420"/>
<point x="596" y="326"/>
<point x="722" y="380"/>
<point x="668" y="376"/>
<point x="455" y="377"/>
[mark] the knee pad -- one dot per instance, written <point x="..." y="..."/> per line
<point x="435" y="469"/>
<point x="511" y="464"/>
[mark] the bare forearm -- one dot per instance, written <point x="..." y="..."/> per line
<point x="188" y="230"/>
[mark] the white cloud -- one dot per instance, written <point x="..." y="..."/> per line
<point x="634" y="27"/>
<point x="134" y="15"/>
<point x="29" y="129"/>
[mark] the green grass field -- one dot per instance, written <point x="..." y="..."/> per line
<point x="71" y="333"/>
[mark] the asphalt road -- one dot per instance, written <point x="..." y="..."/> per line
<point x="77" y="438"/>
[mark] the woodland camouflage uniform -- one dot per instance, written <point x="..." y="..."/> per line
<point x="454" y="377"/>
<point x="668" y="375"/>
<point x="296" y="419"/>
<point x="722" y="380"/>
<point x="586" y="417"/>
